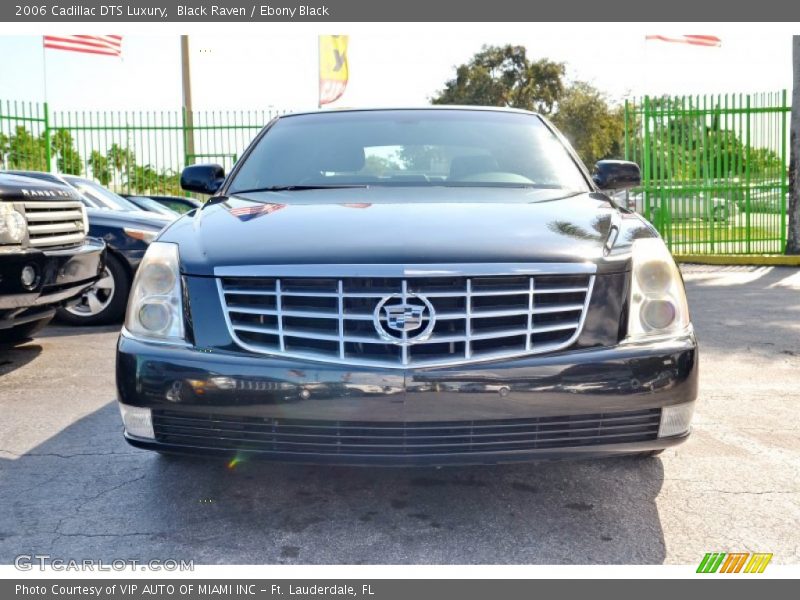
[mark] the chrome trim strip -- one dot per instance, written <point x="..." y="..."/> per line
<point x="333" y="271"/>
<point x="124" y="332"/>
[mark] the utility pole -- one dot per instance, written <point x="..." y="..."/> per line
<point x="793" y="240"/>
<point x="188" y="116"/>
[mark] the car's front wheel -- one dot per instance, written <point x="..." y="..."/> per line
<point x="105" y="301"/>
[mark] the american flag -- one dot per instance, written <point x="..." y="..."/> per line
<point x="694" y="40"/>
<point x="245" y="213"/>
<point x="107" y="45"/>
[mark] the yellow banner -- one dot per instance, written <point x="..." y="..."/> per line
<point x="333" y="68"/>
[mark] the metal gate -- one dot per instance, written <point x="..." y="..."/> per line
<point x="714" y="170"/>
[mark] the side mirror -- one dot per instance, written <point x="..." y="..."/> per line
<point x="616" y="175"/>
<point x="203" y="179"/>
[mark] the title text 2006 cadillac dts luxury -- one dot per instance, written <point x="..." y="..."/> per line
<point x="408" y="287"/>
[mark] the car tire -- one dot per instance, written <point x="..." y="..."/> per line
<point x="23" y="332"/>
<point x="104" y="302"/>
<point x="720" y="214"/>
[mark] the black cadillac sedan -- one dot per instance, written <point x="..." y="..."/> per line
<point x="408" y="287"/>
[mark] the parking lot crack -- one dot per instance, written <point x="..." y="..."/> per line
<point x="61" y="455"/>
<point x="114" y="488"/>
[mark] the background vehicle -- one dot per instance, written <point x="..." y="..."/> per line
<point x="150" y="205"/>
<point x="46" y="259"/>
<point x="679" y="205"/>
<point x="180" y="204"/>
<point x="126" y="230"/>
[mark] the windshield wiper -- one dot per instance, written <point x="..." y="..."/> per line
<point x="296" y="188"/>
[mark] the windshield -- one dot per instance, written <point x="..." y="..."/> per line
<point x="99" y="196"/>
<point x="468" y="148"/>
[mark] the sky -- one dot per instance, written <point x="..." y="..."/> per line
<point x="263" y="66"/>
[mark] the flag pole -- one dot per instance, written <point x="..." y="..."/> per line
<point x="44" y="70"/>
<point x="48" y="154"/>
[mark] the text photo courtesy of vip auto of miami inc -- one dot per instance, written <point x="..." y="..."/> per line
<point x="489" y="297"/>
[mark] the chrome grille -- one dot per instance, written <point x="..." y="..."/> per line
<point x="54" y="223"/>
<point x="470" y="317"/>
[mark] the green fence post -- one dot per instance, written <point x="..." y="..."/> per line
<point x="184" y="131"/>
<point x="785" y="109"/>
<point x="747" y="176"/>
<point x="47" y="141"/>
<point x="646" y="158"/>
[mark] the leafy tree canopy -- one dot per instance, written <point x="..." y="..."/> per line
<point x="504" y="76"/>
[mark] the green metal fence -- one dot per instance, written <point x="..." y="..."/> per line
<point x="24" y="135"/>
<point x="714" y="170"/>
<point x="128" y="151"/>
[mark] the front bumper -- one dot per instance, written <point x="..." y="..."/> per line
<point x="590" y="402"/>
<point x="61" y="275"/>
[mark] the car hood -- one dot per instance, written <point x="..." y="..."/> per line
<point x="395" y="226"/>
<point x="127" y="218"/>
<point x="20" y="188"/>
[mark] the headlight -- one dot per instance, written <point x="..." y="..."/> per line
<point x="155" y="308"/>
<point x="12" y="225"/>
<point x="658" y="300"/>
<point x="146" y="235"/>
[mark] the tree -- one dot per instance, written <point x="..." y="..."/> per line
<point x="122" y="160"/>
<point x="379" y="165"/>
<point x="3" y="149"/>
<point x="145" y="179"/>
<point x="141" y="179"/>
<point x="63" y="146"/>
<point x="595" y="128"/>
<point x="503" y="76"/>
<point x="100" y="167"/>
<point x="793" y="241"/>
<point x="26" y="151"/>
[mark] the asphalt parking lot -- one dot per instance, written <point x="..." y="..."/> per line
<point x="72" y="488"/>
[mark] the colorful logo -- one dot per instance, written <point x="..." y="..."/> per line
<point x="734" y="562"/>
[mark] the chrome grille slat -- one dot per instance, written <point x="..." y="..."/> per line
<point x="56" y="215"/>
<point x="475" y="317"/>
<point x="379" y="295"/>
<point x="557" y="309"/>
<point x="54" y="223"/>
<point x="63" y="227"/>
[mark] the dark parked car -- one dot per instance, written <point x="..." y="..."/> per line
<point x="148" y="204"/>
<point x="178" y="204"/>
<point x="46" y="260"/>
<point x="126" y="230"/>
<point x="428" y="286"/>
